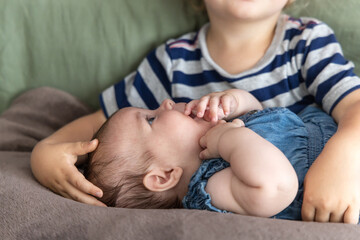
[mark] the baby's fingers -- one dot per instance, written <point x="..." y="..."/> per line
<point x="189" y="107"/>
<point x="214" y="108"/>
<point x="239" y="123"/>
<point x="203" y="142"/>
<point x="205" y="154"/>
<point x="225" y="103"/>
<point x="202" y="106"/>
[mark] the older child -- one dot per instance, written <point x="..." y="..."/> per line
<point x="152" y="158"/>
<point x="248" y="45"/>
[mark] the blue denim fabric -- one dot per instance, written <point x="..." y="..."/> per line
<point x="300" y="137"/>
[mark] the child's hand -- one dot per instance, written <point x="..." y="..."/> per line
<point x="210" y="141"/>
<point x="54" y="166"/>
<point x="214" y="106"/>
<point x="332" y="187"/>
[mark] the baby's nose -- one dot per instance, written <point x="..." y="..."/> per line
<point x="168" y="104"/>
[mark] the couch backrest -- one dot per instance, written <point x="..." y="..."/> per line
<point x="83" y="46"/>
<point x="341" y="16"/>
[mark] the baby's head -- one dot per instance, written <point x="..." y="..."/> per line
<point x="118" y="168"/>
<point x="145" y="158"/>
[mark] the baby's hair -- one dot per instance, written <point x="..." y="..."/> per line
<point x="120" y="175"/>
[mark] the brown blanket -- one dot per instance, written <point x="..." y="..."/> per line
<point x="30" y="211"/>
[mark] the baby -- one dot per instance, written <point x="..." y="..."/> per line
<point x="255" y="164"/>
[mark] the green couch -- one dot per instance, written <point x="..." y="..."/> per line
<point x="84" y="46"/>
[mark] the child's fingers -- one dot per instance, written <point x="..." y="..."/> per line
<point x="322" y="216"/>
<point x="307" y="212"/>
<point x="77" y="195"/>
<point x="68" y="190"/>
<point x="81" y="183"/>
<point x="81" y="148"/>
<point x="351" y="215"/>
<point x="336" y="217"/>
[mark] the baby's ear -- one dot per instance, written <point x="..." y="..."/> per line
<point x="159" y="179"/>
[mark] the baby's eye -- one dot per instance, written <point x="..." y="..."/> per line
<point x="150" y="120"/>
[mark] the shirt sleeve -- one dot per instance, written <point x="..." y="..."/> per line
<point x="329" y="77"/>
<point x="146" y="87"/>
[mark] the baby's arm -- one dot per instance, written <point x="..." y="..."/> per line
<point x="223" y="105"/>
<point x="53" y="159"/>
<point x="262" y="181"/>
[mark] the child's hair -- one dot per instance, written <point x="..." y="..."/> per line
<point x="120" y="174"/>
<point x="198" y="5"/>
<point x="289" y="3"/>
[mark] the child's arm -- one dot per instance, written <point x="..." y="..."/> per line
<point x="223" y="105"/>
<point x="332" y="184"/>
<point x="261" y="182"/>
<point x="53" y="159"/>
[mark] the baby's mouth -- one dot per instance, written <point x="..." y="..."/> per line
<point x="192" y="115"/>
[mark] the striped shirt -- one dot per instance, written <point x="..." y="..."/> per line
<point x="304" y="65"/>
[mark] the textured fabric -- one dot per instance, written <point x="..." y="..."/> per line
<point x="82" y="46"/>
<point x="26" y="124"/>
<point x="304" y="65"/>
<point x="197" y="197"/>
<point x="301" y="138"/>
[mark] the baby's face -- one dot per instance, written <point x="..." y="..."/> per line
<point x="166" y="129"/>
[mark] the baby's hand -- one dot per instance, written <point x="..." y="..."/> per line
<point x="54" y="166"/>
<point x="214" y="106"/>
<point x="210" y="141"/>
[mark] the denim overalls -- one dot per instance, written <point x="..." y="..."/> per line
<point x="300" y="137"/>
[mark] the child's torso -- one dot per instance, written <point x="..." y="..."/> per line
<point x="297" y="70"/>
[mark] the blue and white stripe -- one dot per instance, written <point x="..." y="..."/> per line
<point x="303" y="66"/>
